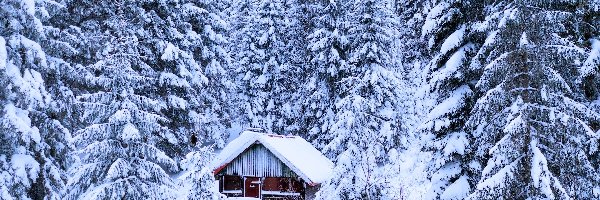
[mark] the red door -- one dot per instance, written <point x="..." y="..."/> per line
<point x="252" y="187"/>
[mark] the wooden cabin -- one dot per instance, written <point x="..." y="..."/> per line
<point x="269" y="166"/>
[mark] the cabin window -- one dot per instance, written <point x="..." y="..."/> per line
<point x="291" y="185"/>
<point x="232" y="183"/>
<point x="271" y="184"/>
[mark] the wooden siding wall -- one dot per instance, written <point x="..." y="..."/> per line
<point x="258" y="161"/>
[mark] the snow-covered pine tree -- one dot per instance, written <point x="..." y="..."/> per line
<point x="590" y="73"/>
<point x="199" y="182"/>
<point x="119" y="159"/>
<point x="328" y="48"/>
<point x="366" y="118"/>
<point x="265" y="76"/>
<point x="238" y="16"/>
<point x="533" y="131"/>
<point x="187" y="43"/>
<point x="209" y="32"/>
<point x="452" y="42"/>
<point x="168" y="41"/>
<point x="297" y="21"/>
<point x="180" y="42"/>
<point x="31" y="138"/>
<point x="411" y="16"/>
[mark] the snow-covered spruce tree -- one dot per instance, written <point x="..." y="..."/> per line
<point x="298" y="17"/>
<point x="366" y="123"/>
<point x="198" y="181"/>
<point x="215" y="97"/>
<point x="180" y="41"/>
<point x="238" y="15"/>
<point x="192" y="63"/>
<point x="32" y="140"/>
<point x="533" y="131"/>
<point x="452" y="41"/>
<point x="411" y="16"/>
<point x="265" y="76"/>
<point x="590" y="72"/>
<point x="328" y="48"/>
<point x="119" y="159"/>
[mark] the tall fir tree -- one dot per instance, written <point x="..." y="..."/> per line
<point x="367" y="123"/>
<point x="123" y="121"/>
<point x="297" y="20"/>
<point x="535" y="136"/>
<point x="452" y="38"/>
<point x="328" y="48"/>
<point x="177" y="49"/>
<point x="216" y="101"/>
<point x="33" y="140"/>
<point x="411" y="16"/>
<point x="238" y="16"/>
<point x="182" y="43"/>
<point x="189" y="41"/>
<point x="265" y="76"/>
<point x="590" y="73"/>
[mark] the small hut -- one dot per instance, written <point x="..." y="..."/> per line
<point x="269" y="166"/>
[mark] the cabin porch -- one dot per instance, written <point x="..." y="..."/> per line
<point x="267" y="188"/>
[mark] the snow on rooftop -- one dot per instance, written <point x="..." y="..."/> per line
<point x="295" y="152"/>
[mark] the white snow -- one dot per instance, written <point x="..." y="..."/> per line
<point x="523" y="41"/>
<point x="170" y="53"/>
<point x="500" y="177"/>
<point x="491" y="38"/>
<point x="552" y="115"/>
<point x="21" y="122"/>
<point x="130" y="133"/>
<point x="33" y="85"/>
<point x="172" y="79"/>
<point x="3" y="54"/>
<point x="544" y="93"/>
<point x="261" y="80"/>
<point x="589" y="65"/>
<point x="411" y="178"/>
<point x="515" y="125"/>
<point x="177" y="102"/>
<point x="118" y="169"/>
<point x="457" y="143"/>
<point x="450" y="68"/>
<point x="263" y="39"/>
<point x="123" y="115"/>
<point x="457" y="190"/>
<point x="447" y="106"/>
<point x="25" y="168"/>
<point x="453" y="40"/>
<point x="508" y="14"/>
<point x="447" y="171"/>
<point x="29" y="6"/>
<point x="539" y="171"/>
<point x="34" y="50"/>
<point x="294" y="151"/>
<point x="432" y="18"/>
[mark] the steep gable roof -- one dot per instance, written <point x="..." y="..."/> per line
<point x="295" y="152"/>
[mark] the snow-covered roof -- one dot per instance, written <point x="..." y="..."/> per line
<point x="295" y="152"/>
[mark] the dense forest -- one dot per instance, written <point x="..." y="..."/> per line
<point x="411" y="99"/>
